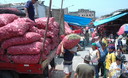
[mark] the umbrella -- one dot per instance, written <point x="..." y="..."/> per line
<point x="123" y="29"/>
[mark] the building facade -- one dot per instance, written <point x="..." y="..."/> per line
<point x="83" y="13"/>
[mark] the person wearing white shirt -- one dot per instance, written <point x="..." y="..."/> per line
<point x="116" y="68"/>
<point x="95" y="55"/>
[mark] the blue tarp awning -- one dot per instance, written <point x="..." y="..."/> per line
<point x="76" y="20"/>
<point x="96" y="23"/>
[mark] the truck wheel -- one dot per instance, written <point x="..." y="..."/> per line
<point x="15" y="74"/>
<point x="46" y="72"/>
<point x="5" y="74"/>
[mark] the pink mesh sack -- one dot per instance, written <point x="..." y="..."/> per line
<point x="33" y="48"/>
<point x="41" y="22"/>
<point x="27" y="38"/>
<point x="13" y="29"/>
<point x="7" y="18"/>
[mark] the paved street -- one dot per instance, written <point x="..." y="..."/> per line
<point x="58" y="73"/>
<point x="77" y="59"/>
<point x="59" y="62"/>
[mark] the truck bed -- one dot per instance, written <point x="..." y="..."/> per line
<point x="28" y="68"/>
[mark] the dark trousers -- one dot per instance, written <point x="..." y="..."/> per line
<point x="96" y="71"/>
<point x="102" y="67"/>
<point x="52" y="63"/>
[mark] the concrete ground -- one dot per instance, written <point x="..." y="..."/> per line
<point x="59" y="64"/>
<point x="77" y="59"/>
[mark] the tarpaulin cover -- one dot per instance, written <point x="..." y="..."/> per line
<point x="76" y="20"/>
<point x="96" y="23"/>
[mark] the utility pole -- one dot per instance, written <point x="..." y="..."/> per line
<point x="61" y="22"/>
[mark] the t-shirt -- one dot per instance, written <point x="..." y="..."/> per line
<point x="103" y="54"/>
<point x="74" y="49"/>
<point x="68" y="56"/>
<point x="85" y="71"/>
<point x="30" y="8"/>
<point x="93" y="55"/>
<point x="98" y="44"/>
<point x="105" y="41"/>
<point x="110" y="58"/>
<point x="116" y="73"/>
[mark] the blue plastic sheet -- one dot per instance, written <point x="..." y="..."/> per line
<point x="76" y="20"/>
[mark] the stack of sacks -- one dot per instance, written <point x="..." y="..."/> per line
<point x="67" y="28"/>
<point x="21" y="41"/>
<point x="17" y="44"/>
<point x="68" y="42"/>
<point x="53" y="31"/>
<point x="47" y="46"/>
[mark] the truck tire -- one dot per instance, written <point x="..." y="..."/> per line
<point x="46" y="72"/>
<point x="5" y="74"/>
<point x="15" y="74"/>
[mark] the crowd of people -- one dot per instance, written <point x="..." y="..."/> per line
<point x="109" y="58"/>
<point x="106" y="56"/>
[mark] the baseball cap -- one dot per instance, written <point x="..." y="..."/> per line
<point x="93" y="44"/>
<point x="111" y="47"/>
<point x="87" y="58"/>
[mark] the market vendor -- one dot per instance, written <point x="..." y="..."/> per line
<point x="29" y="9"/>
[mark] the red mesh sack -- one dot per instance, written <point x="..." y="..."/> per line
<point x="47" y="50"/>
<point x="26" y="59"/>
<point x="41" y="31"/>
<point x="2" y="51"/>
<point x="47" y="41"/>
<point x="54" y="45"/>
<point x="13" y="29"/>
<point x="42" y="22"/>
<point x="56" y="25"/>
<point x="68" y="42"/>
<point x="1" y="23"/>
<point x="44" y="57"/>
<point x="27" y="38"/>
<point x="58" y="51"/>
<point x="27" y="20"/>
<point x="50" y="34"/>
<point x="55" y="31"/>
<point x="7" y="18"/>
<point x="33" y="48"/>
<point x="56" y="39"/>
<point x="67" y="28"/>
<point x="4" y="58"/>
